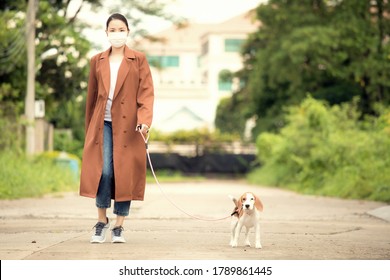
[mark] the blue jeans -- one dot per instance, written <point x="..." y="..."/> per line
<point x="103" y="197"/>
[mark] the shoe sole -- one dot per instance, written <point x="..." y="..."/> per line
<point x="97" y="242"/>
<point x="118" y="241"/>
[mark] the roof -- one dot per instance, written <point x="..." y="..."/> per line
<point x="243" y="23"/>
<point x="184" y="37"/>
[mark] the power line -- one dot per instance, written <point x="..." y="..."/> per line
<point x="14" y="50"/>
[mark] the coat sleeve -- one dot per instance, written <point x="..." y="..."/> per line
<point x="91" y="93"/>
<point x="145" y="94"/>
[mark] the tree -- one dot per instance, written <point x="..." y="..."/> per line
<point x="334" y="50"/>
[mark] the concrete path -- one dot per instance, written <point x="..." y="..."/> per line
<point x="294" y="227"/>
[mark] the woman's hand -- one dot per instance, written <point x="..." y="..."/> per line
<point x="143" y="128"/>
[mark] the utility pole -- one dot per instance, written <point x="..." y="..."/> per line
<point x="29" y="105"/>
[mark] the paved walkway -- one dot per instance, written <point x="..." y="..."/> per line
<point x="294" y="226"/>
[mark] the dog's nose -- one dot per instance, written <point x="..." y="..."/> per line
<point x="247" y="206"/>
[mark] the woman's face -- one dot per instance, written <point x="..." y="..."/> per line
<point x="116" y="25"/>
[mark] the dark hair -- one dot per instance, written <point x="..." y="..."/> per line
<point x="118" y="17"/>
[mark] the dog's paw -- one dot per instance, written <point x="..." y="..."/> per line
<point x="258" y="246"/>
<point x="233" y="244"/>
<point x="248" y="244"/>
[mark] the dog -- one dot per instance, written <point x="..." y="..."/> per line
<point x="246" y="213"/>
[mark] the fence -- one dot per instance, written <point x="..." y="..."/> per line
<point x="230" y="158"/>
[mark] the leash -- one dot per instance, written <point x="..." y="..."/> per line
<point x="162" y="191"/>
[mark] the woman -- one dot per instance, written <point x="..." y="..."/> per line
<point x="119" y="104"/>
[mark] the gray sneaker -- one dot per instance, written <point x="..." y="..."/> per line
<point x="116" y="235"/>
<point x="100" y="232"/>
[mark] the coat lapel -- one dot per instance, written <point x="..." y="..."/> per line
<point x="123" y="69"/>
<point x="105" y="70"/>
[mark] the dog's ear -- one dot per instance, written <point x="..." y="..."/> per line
<point x="258" y="203"/>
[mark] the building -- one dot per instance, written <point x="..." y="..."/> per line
<point x="192" y="68"/>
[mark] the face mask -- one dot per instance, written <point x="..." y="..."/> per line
<point x="117" y="39"/>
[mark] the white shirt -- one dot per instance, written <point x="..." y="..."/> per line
<point x="114" y="68"/>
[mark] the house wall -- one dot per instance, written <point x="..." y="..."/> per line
<point x="186" y="97"/>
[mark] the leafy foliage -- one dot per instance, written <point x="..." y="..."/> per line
<point x="335" y="50"/>
<point x="234" y="122"/>
<point x="61" y="65"/>
<point x="196" y="136"/>
<point x="328" y="151"/>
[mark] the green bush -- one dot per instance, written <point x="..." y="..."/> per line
<point x="211" y="141"/>
<point x="64" y="141"/>
<point x="328" y="151"/>
<point x="195" y="136"/>
<point x="32" y="177"/>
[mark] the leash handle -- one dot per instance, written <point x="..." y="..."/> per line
<point x="139" y="127"/>
<point x="162" y="191"/>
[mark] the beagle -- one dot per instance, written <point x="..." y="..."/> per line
<point x="246" y="213"/>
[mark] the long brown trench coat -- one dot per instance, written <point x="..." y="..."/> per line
<point x="132" y="104"/>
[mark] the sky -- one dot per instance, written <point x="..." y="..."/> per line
<point x="196" y="11"/>
<point x="211" y="11"/>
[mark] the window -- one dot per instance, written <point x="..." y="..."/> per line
<point x="225" y="80"/>
<point x="159" y="61"/>
<point x="233" y="45"/>
<point x="224" y="86"/>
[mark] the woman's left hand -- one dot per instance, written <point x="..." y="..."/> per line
<point x="143" y="128"/>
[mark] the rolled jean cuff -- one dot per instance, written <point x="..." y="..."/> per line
<point x="122" y="208"/>
<point x="125" y="214"/>
<point x="98" y="205"/>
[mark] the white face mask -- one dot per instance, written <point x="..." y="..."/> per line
<point x="117" y="39"/>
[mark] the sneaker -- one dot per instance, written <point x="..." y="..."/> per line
<point x="100" y="232"/>
<point x="116" y="235"/>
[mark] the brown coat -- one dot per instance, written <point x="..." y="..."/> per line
<point x="132" y="104"/>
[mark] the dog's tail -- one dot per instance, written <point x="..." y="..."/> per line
<point x="235" y="210"/>
<point x="233" y="199"/>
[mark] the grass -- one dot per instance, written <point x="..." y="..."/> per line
<point x="345" y="182"/>
<point x="22" y="176"/>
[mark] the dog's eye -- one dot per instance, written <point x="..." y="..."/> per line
<point x="252" y="198"/>
<point x="243" y="199"/>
